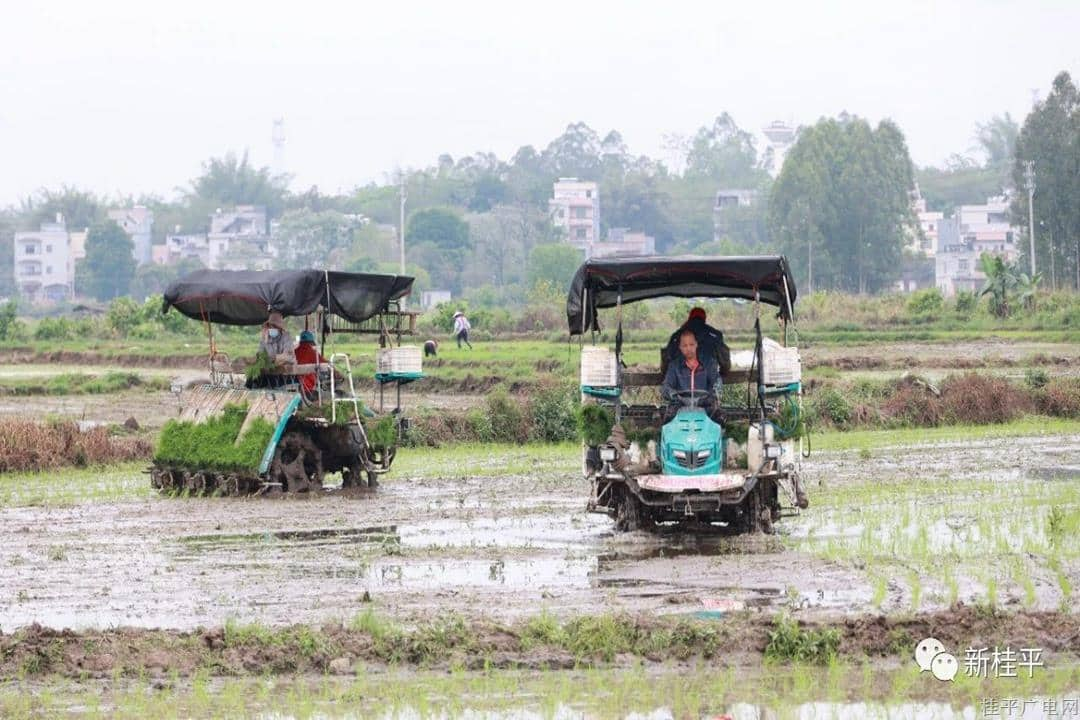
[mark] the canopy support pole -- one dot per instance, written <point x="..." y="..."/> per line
<point x="618" y="355"/>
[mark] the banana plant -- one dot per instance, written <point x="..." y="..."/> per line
<point x="1000" y="282"/>
<point x="1027" y="288"/>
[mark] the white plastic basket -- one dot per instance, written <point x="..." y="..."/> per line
<point x="404" y="359"/>
<point x="598" y="367"/>
<point x="782" y="365"/>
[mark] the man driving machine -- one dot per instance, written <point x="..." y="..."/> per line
<point x="692" y="371"/>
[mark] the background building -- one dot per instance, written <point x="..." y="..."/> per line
<point x="575" y="207"/>
<point x="239" y="239"/>
<point x="138" y="223"/>
<point x="929" y="223"/>
<point x="44" y="268"/>
<point x="963" y="238"/>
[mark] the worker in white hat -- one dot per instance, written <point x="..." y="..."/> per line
<point x="461" y="329"/>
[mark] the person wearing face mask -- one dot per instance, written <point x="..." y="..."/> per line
<point x="275" y="339"/>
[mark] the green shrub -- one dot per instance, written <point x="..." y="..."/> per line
<point x="1036" y="378"/>
<point x="8" y="312"/>
<point x="507" y="418"/>
<point x="58" y="328"/>
<point x="966" y="303"/>
<point x="212" y="444"/>
<point x="594" y="424"/>
<point x="123" y="315"/>
<point x="830" y="405"/>
<point x="479" y="424"/>
<point x="926" y="304"/>
<point x="145" y="331"/>
<point x="553" y="418"/>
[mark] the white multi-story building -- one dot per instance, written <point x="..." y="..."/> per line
<point x="138" y="223"/>
<point x="929" y="223"/>
<point x="44" y="267"/>
<point x="575" y="207"/>
<point x="962" y="239"/>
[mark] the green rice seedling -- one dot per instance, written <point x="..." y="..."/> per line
<point x="881" y="588"/>
<point x="383" y="434"/>
<point x="214" y="442"/>
<point x="594" y="424"/>
<point x="915" y="585"/>
<point x="790" y="643"/>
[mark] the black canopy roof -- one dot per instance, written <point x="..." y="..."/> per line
<point x="596" y="283"/>
<point x="246" y="297"/>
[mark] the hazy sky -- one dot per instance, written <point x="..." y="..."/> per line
<point x="133" y="96"/>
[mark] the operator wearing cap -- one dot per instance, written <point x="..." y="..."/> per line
<point x="308" y="354"/>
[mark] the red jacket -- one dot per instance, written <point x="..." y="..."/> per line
<point x="306" y="354"/>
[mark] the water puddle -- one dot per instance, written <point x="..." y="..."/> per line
<point x="381" y="534"/>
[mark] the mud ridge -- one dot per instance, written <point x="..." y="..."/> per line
<point x="739" y="639"/>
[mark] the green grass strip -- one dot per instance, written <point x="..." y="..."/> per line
<point x="1031" y="426"/>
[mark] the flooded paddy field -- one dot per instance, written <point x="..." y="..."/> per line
<point x="801" y="693"/>
<point x="501" y="533"/>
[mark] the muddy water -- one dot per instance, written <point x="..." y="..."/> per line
<point x="421" y="547"/>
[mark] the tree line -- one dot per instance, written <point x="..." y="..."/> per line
<point x="840" y="207"/>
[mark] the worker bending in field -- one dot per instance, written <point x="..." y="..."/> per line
<point x="692" y="370"/>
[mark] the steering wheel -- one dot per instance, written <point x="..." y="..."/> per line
<point x="690" y="398"/>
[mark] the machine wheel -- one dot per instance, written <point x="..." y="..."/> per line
<point x="757" y="513"/>
<point x="297" y="463"/>
<point x="352" y="474"/>
<point x="627" y="512"/>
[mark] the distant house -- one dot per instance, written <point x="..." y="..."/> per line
<point x="138" y="223"/>
<point x="962" y="239"/>
<point x="239" y="239"/>
<point x="621" y="242"/>
<point x="44" y="269"/>
<point x="186" y="246"/>
<point x="929" y="224"/>
<point x="575" y="207"/>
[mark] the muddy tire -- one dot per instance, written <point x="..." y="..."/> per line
<point x="297" y="464"/>
<point x="628" y="512"/>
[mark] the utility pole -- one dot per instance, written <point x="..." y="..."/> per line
<point x="401" y="226"/>
<point x="1029" y="183"/>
